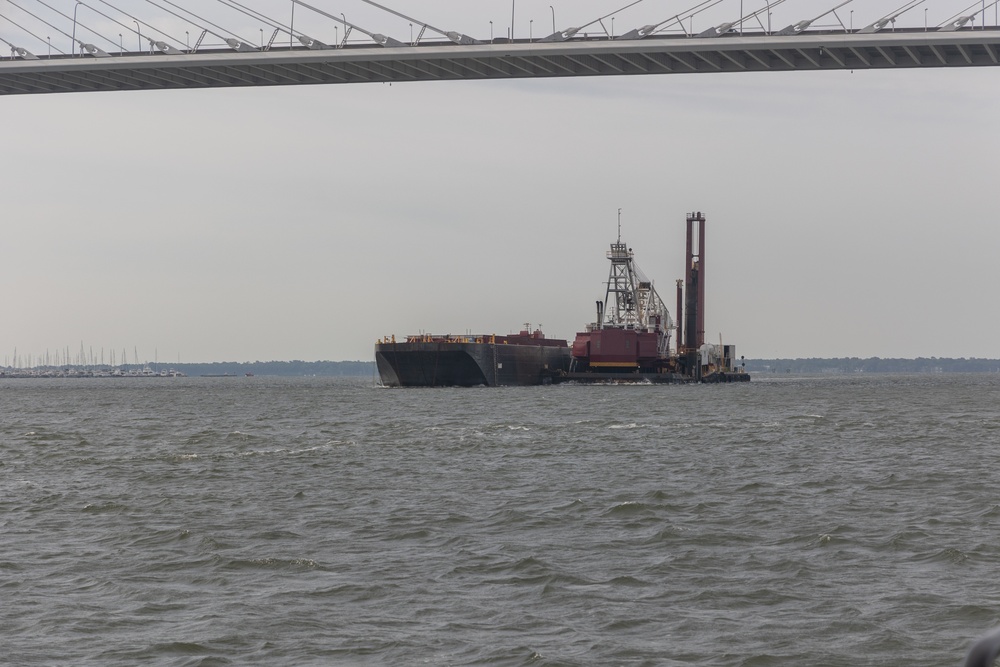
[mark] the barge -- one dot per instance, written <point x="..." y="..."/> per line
<point x="426" y="360"/>
<point x="629" y="341"/>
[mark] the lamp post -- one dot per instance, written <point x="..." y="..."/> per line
<point x="50" y="45"/>
<point x="531" y="26"/>
<point x="138" y="31"/>
<point x="343" y="16"/>
<point x="187" y="39"/>
<point x="291" y="28"/>
<point x="553" y="19"/>
<point x="121" y="45"/>
<point x="491" y="32"/>
<point x="612" y="27"/>
<point x="75" y="7"/>
<point x="512" y="20"/>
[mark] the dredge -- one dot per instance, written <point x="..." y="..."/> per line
<point x="630" y="341"/>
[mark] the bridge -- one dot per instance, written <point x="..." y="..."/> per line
<point x="301" y="60"/>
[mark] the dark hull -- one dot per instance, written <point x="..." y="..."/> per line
<point x="442" y="364"/>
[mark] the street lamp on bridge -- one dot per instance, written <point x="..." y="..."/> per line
<point x="73" y="45"/>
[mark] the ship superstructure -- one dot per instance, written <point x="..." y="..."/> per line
<point x="630" y="339"/>
<point x="633" y="325"/>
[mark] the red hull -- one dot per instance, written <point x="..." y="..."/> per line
<point x="617" y="348"/>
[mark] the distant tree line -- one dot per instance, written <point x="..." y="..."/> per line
<point x="758" y="366"/>
<point x="874" y="365"/>
<point x="286" y="368"/>
<point x="804" y="366"/>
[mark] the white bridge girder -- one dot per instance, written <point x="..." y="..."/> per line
<point x="807" y="51"/>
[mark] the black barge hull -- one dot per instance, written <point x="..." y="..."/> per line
<point x="468" y="364"/>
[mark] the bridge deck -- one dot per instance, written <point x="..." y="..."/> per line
<point x="523" y="59"/>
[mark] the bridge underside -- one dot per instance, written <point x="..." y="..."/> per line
<point x="448" y="62"/>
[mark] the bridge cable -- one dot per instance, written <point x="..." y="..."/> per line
<point x="797" y="28"/>
<point x="69" y="18"/>
<point x="378" y="38"/>
<point x="254" y="14"/>
<point x="139" y="21"/>
<point x="647" y="30"/>
<point x="762" y="10"/>
<point x="890" y="18"/>
<point x="43" y="41"/>
<point x="277" y="25"/>
<point x="243" y="41"/>
<point x="568" y="33"/>
<point x="454" y="36"/>
<point x="51" y="25"/>
<point x="959" y="20"/>
<point x="636" y="2"/>
<point x="125" y="26"/>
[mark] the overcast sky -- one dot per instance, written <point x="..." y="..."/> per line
<point x="849" y="213"/>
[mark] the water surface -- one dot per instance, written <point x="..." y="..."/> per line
<point x="234" y="521"/>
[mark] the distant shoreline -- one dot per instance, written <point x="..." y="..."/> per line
<point x="221" y="369"/>
<point x="808" y="366"/>
<point x="873" y="365"/>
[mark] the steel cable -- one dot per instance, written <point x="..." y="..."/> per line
<point x="43" y="41"/>
<point x="245" y="41"/>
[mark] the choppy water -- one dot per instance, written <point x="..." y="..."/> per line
<point x="791" y="521"/>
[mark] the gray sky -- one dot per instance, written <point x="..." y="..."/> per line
<point x="849" y="213"/>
